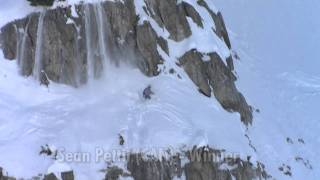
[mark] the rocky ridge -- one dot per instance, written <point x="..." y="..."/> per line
<point x="199" y="163"/>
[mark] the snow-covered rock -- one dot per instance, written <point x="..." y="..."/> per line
<point x="112" y="32"/>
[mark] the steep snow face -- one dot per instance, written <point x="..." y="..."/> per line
<point x="277" y="42"/>
<point x="82" y="120"/>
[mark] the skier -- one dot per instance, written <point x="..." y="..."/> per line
<point x="147" y="92"/>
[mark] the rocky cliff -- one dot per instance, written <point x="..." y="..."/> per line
<point x="203" y="163"/>
<point x="74" y="44"/>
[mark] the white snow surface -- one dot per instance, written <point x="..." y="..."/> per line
<point x="277" y="42"/>
<point x="278" y="74"/>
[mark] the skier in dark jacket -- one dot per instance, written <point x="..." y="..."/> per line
<point x="147" y="92"/>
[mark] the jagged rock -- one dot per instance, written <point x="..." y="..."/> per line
<point x="152" y="9"/>
<point x="192" y="13"/>
<point x="59" y="56"/>
<point x="222" y="80"/>
<point x="163" y="44"/>
<point x="113" y="173"/>
<point x="147" y="44"/>
<point x="220" y="28"/>
<point x="50" y="176"/>
<point x="167" y="13"/>
<point x="195" y="68"/>
<point x="202" y="163"/>
<point x="120" y="30"/>
<point x="230" y="63"/>
<point x="64" y="176"/>
<point x="215" y="75"/>
<point x="67" y="175"/>
<point x="9" y="41"/>
<point x="208" y="164"/>
<point x="64" y="45"/>
<point x="152" y="168"/>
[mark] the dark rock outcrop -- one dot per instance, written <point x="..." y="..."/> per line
<point x="214" y="76"/>
<point x="220" y="28"/>
<point x="202" y="164"/>
<point x="113" y="173"/>
<point x="59" y="54"/>
<point x="5" y="177"/>
<point x="64" y="176"/>
<point x="192" y="13"/>
<point x="152" y="168"/>
<point x="147" y="44"/>
<point x="9" y="41"/>
<point x="67" y="175"/>
<point x="196" y="69"/>
<point x="210" y="164"/>
<point x="50" y="176"/>
<point x="170" y="15"/>
<point x="222" y="80"/>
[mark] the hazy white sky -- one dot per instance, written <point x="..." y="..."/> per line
<point x="283" y="33"/>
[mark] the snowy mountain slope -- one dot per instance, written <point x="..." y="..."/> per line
<point x="81" y="120"/>
<point x="278" y="71"/>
